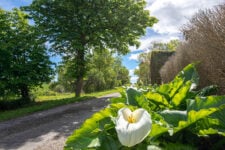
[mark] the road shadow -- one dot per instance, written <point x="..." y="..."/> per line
<point x="48" y="125"/>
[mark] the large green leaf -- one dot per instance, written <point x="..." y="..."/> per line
<point x="220" y="116"/>
<point x="157" y="130"/>
<point x="175" y="86"/>
<point x="189" y="73"/>
<point x="144" y="103"/>
<point x="132" y="95"/>
<point x="108" y="143"/>
<point x="209" y="131"/>
<point x="179" y="146"/>
<point x="159" y="126"/>
<point x="199" y="112"/>
<point x="174" y="116"/>
<point x="195" y="116"/>
<point x="157" y="98"/>
<point x="164" y="90"/>
<point x="180" y="96"/>
<point x="205" y="102"/>
<point x="208" y="102"/>
<point x="90" y="133"/>
<point x="206" y="91"/>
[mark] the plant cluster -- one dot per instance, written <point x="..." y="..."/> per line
<point x="181" y="118"/>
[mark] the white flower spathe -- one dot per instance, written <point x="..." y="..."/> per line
<point x="132" y="127"/>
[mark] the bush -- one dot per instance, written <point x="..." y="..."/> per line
<point x="204" y="43"/>
<point x="43" y="90"/>
<point x="13" y="104"/>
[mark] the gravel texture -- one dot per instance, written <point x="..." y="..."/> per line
<point x="48" y="130"/>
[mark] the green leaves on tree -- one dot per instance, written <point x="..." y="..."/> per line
<point x="25" y="62"/>
<point x="75" y="27"/>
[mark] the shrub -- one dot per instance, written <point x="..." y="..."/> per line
<point x="14" y="104"/>
<point x="204" y="43"/>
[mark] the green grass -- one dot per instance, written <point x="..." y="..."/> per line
<point x="47" y="102"/>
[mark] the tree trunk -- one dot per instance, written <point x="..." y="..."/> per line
<point x="79" y="86"/>
<point x="25" y="93"/>
<point x="80" y="71"/>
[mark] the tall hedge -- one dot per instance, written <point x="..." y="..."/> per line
<point x="205" y="44"/>
<point x="157" y="60"/>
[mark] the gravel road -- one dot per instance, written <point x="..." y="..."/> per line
<point x="48" y="130"/>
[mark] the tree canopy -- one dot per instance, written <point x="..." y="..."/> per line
<point x="75" y="27"/>
<point x="143" y="69"/>
<point x="25" y="62"/>
<point x="103" y="72"/>
<point x="169" y="46"/>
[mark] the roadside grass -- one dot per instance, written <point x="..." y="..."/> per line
<point x="47" y="102"/>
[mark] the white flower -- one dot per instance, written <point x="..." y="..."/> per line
<point x="132" y="127"/>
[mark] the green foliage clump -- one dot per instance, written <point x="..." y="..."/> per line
<point x="103" y="72"/>
<point x="43" y="90"/>
<point x="24" y="62"/>
<point x="182" y="117"/>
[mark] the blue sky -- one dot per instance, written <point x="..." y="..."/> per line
<point x="172" y="14"/>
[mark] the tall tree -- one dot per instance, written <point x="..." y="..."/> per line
<point x="25" y="62"/>
<point x="173" y="44"/>
<point x="103" y="72"/>
<point x="143" y="70"/>
<point x="75" y="26"/>
<point x="169" y="46"/>
<point x="122" y="73"/>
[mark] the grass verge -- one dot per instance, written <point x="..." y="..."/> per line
<point x="47" y="102"/>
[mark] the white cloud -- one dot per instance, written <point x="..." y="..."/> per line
<point x="131" y="72"/>
<point x="174" y="13"/>
<point x="132" y="48"/>
<point x="146" y="42"/>
<point x="134" y="56"/>
<point x="133" y="77"/>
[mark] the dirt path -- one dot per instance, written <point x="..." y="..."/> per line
<point x="48" y="130"/>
